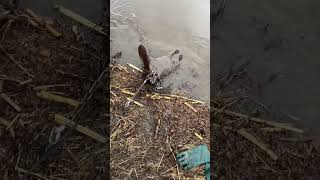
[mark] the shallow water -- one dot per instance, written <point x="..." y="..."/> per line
<point x="164" y="26"/>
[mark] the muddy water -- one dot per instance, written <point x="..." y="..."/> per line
<point x="164" y="26"/>
<point x="288" y="48"/>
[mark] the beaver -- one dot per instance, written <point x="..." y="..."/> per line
<point x="159" y="67"/>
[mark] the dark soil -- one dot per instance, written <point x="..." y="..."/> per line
<point x="145" y="139"/>
<point x="68" y="65"/>
<point x="235" y="157"/>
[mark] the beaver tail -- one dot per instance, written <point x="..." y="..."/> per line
<point x="144" y="58"/>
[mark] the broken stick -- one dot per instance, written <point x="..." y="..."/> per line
<point x="7" y="124"/>
<point x="255" y="141"/>
<point x="84" y="130"/>
<point x="10" y="102"/>
<point x="134" y="67"/>
<point x="56" y="98"/>
<point x="258" y="120"/>
<point x="14" y="61"/>
<point x="189" y="105"/>
<point x="80" y="19"/>
<point x="25" y="82"/>
<point x="135" y="102"/>
<point x="42" y="23"/>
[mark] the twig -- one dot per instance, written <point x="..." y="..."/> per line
<point x="56" y="98"/>
<point x="44" y="24"/>
<point x="135" y="102"/>
<point x="113" y="94"/>
<point x="10" y="102"/>
<point x="6" y="123"/>
<point x="160" y="162"/>
<point x="134" y="67"/>
<point x="6" y="78"/>
<point x="255" y="141"/>
<point x="84" y="130"/>
<point x="25" y="82"/>
<point x="198" y="135"/>
<point x="127" y="92"/>
<point x="260" y="158"/>
<point x="192" y="100"/>
<point x="52" y="147"/>
<point x="88" y="95"/>
<point x="258" y="120"/>
<point x="178" y="172"/>
<point x="129" y="174"/>
<point x="80" y="19"/>
<point x="72" y="75"/>
<point x="49" y="86"/>
<point x="31" y="173"/>
<point x="275" y="129"/>
<point x="170" y="169"/>
<point x="135" y="171"/>
<point x="74" y="158"/>
<point x="14" y="61"/>
<point x="189" y="105"/>
<point x="157" y="128"/>
<point x="13" y="121"/>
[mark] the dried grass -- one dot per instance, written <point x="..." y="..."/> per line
<point x="147" y="138"/>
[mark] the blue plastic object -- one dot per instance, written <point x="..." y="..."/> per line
<point x="195" y="157"/>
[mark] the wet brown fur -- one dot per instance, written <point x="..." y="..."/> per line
<point x="144" y="58"/>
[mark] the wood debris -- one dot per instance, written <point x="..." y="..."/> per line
<point x="28" y="81"/>
<point x="10" y="102"/>
<point x="135" y="102"/>
<point x="255" y="141"/>
<point x="30" y="173"/>
<point x="113" y="94"/>
<point x="134" y="67"/>
<point x="43" y="23"/>
<point x="127" y="92"/>
<point x="14" y="61"/>
<point x="7" y="124"/>
<point x="158" y="96"/>
<point x="80" y="19"/>
<point x="57" y="98"/>
<point x="190" y="106"/>
<point x="122" y="68"/>
<point x="84" y="130"/>
<point x="258" y="120"/>
<point x="198" y="135"/>
<point x="192" y="100"/>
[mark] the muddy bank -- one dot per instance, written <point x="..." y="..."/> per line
<point x="45" y="75"/>
<point x="247" y="142"/>
<point x="280" y="40"/>
<point x="146" y="137"/>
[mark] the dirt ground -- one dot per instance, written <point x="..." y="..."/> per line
<point x="146" y="137"/>
<point x="35" y="62"/>
<point x="248" y="144"/>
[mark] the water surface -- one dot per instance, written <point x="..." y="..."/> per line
<point x="164" y="26"/>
